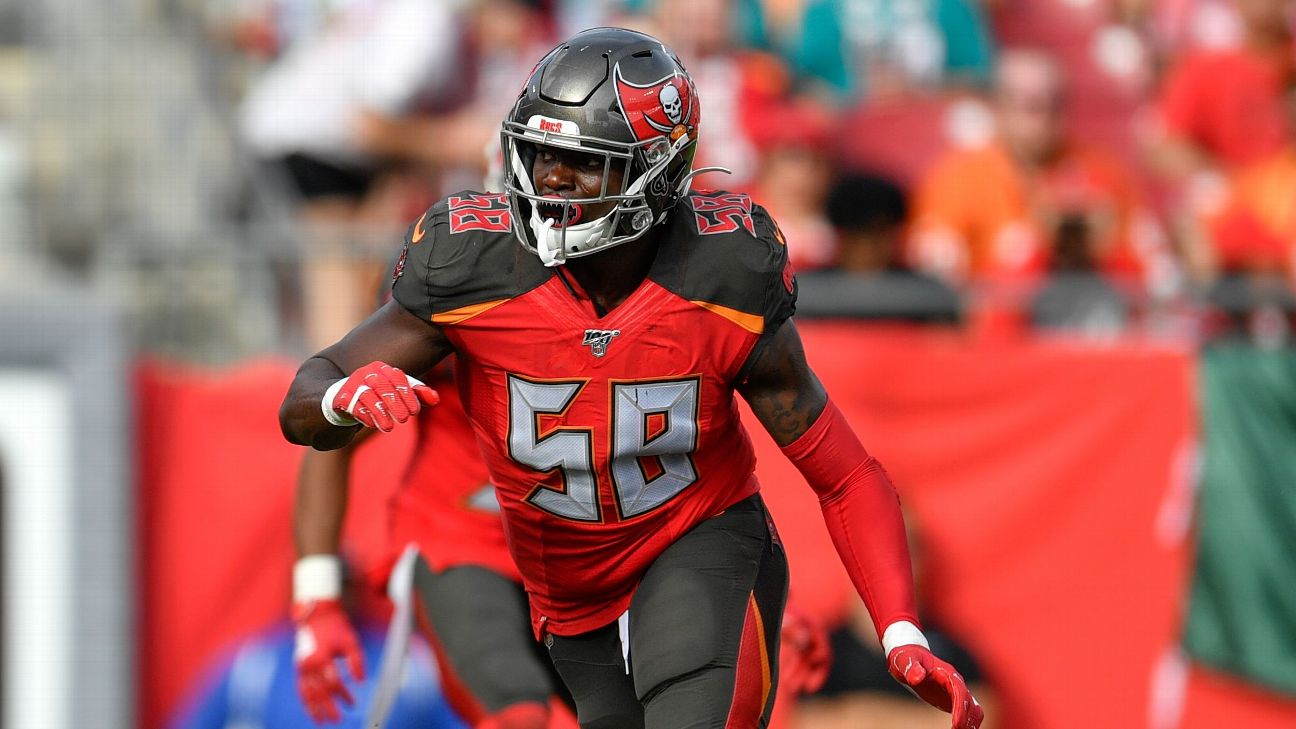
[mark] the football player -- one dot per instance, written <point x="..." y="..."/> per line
<point x="598" y="363"/>
<point x="469" y="596"/>
<point x="472" y="606"/>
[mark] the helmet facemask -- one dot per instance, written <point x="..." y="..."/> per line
<point x="646" y="166"/>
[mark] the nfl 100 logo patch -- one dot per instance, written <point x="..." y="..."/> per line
<point x="599" y="339"/>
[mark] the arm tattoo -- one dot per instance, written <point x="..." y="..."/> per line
<point x="781" y="388"/>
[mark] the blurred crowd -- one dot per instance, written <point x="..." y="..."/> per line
<point x="1093" y="166"/>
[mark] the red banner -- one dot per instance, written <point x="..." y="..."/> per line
<point x="1050" y="482"/>
<point x="216" y="483"/>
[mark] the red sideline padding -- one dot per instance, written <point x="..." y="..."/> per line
<point x="1038" y="472"/>
<point x="1214" y="700"/>
<point x="215" y="498"/>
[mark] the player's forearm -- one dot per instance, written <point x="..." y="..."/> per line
<point x="321" y="501"/>
<point x="301" y="416"/>
<point x="862" y="512"/>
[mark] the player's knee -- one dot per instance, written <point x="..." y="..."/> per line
<point x="517" y="716"/>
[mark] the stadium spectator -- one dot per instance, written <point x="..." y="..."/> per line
<point x="879" y="48"/>
<point x="385" y="86"/>
<point x="501" y="40"/>
<point x="1254" y="229"/>
<point x="994" y="212"/>
<point x="301" y="119"/>
<point x="871" y="280"/>
<point x="1175" y="28"/>
<point x="745" y="89"/>
<point x="793" y="180"/>
<point x="651" y="563"/>
<point x="1253" y="232"/>
<point x="1075" y="298"/>
<point x="871" y="214"/>
<point x="264" y="29"/>
<point x="1249" y="244"/>
<point x="1221" y="108"/>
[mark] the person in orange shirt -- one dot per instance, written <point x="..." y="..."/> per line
<point x="995" y="212"/>
<point x="793" y="178"/>
<point x="1256" y="229"/>
<point x="1250" y="255"/>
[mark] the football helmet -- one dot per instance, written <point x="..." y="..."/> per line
<point x="615" y="95"/>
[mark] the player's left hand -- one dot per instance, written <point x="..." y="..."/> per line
<point x="937" y="683"/>
<point x="324" y="634"/>
<point x="804" y="665"/>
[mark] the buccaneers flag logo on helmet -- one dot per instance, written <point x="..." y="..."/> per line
<point x="667" y="106"/>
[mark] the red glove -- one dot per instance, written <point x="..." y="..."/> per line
<point x="324" y="634"/>
<point x="805" y="655"/>
<point x="937" y="683"/>
<point x="377" y="396"/>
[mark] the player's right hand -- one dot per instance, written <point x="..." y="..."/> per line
<point x="937" y="683"/>
<point x="324" y="634"/>
<point x="377" y="396"/>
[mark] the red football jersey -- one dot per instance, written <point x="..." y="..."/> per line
<point x="445" y="502"/>
<point x="607" y="437"/>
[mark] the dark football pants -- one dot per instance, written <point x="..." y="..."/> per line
<point x="704" y="635"/>
<point x="480" y="628"/>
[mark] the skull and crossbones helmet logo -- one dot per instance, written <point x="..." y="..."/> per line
<point x="671" y="102"/>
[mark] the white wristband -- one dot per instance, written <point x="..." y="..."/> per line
<point x="339" y="419"/>
<point x="902" y="632"/>
<point x="317" y="577"/>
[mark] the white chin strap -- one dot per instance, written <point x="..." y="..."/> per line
<point x="554" y="245"/>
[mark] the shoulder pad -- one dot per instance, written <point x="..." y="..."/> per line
<point x="462" y="253"/>
<point x="723" y="249"/>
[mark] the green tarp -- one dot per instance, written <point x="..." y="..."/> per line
<point x="1242" y="610"/>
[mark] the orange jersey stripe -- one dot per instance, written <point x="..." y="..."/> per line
<point x="753" y="323"/>
<point x="464" y="313"/>
<point x="762" y="649"/>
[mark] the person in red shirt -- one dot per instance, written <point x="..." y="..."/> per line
<point x="598" y="363"/>
<point x="1222" y="108"/>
